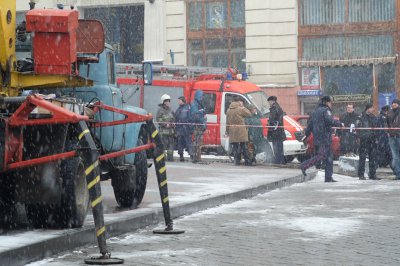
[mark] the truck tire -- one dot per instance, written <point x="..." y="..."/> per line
<point x="131" y="196"/>
<point x="41" y="213"/>
<point x="8" y="211"/>
<point x="71" y="212"/>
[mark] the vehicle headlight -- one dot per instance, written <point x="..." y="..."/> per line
<point x="288" y="134"/>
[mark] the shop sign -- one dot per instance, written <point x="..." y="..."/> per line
<point x="386" y="98"/>
<point x="310" y="78"/>
<point x="309" y="93"/>
<point x="352" y="98"/>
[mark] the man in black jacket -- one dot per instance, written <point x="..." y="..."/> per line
<point x="320" y="125"/>
<point x="368" y="142"/>
<point x="348" y="138"/>
<point x="276" y="132"/>
<point x="383" y="152"/>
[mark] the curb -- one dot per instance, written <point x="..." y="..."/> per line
<point x="73" y="238"/>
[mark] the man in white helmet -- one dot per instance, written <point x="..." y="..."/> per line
<point x="165" y="119"/>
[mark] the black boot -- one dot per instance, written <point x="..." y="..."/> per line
<point x="170" y="156"/>
<point x="248" y="163"/>
<point x="181" y="159"/>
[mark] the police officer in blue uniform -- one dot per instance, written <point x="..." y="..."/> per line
<point x="321" y="126"/>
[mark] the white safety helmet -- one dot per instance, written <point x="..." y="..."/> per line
<point x="165" y="97"/>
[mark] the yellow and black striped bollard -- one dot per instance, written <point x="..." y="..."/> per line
<point x="90" y="156"/>
<point x="161" y="172"/>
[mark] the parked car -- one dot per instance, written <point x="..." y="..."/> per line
<point x="303" y="120"/>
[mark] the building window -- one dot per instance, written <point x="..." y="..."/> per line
<point x="195" y="50"/>
<point x="386" y="75"/>
<point x="331" y="48"/>
<point x="216" y="15"/>
<point x="327" y="12"/>
<point x="216" y="33"/>
<point x="217" y="52"/>
<point x="195" y="15"/>
<point x="371" y="10"/>
<point x="349" y="84"/>
<point x="237" y="8"/>
<point x="317" y="12"/>
<point x="124" y="30"/>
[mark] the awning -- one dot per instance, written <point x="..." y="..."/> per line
<point x="348" y="62"/>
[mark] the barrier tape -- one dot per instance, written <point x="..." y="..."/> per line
<point x="256" y="126"/>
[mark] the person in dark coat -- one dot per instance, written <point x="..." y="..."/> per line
<point x="320" y="125"/>
<point x="183" y="128"/>
<point x="198" y="117"/>
<point x="237" y="131"/>
<point x="276" y="132"/>
<point x="368" y="142"/>
<point x="393" y="120"/>
<point x="384" y="154"/>
<point x="348" y="138"/>
<point x="256" y="138"/>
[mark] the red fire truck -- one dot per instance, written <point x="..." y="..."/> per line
<point x="219" y="86"/>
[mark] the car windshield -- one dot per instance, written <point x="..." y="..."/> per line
<point x="259" y="99"/>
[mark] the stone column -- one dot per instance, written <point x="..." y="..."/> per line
<point x="154" y="30"/>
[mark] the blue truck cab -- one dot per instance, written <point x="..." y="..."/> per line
<point x="128" y="173"/>
<point x="103" y="74"/>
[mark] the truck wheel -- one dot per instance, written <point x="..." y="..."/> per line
<point x="75" y="198"/>
<point x="141" y="176"/>
<point x="40" y="215"/>
<point x="130" y="196"/>
<point x="71" y="210"/>
<point x="8" y="211"/>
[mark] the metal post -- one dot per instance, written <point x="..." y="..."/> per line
<point x="161" y="172"/>
<point x="90" y="156"/>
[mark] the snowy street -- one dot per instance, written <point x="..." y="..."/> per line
<point x="351" y="222"/>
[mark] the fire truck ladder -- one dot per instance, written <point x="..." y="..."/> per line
<point x="171" y="71"/>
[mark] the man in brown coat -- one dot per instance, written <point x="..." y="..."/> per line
<point x="237" y="130"/>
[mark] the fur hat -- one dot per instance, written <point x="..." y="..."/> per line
<point x="272" y="98"/>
